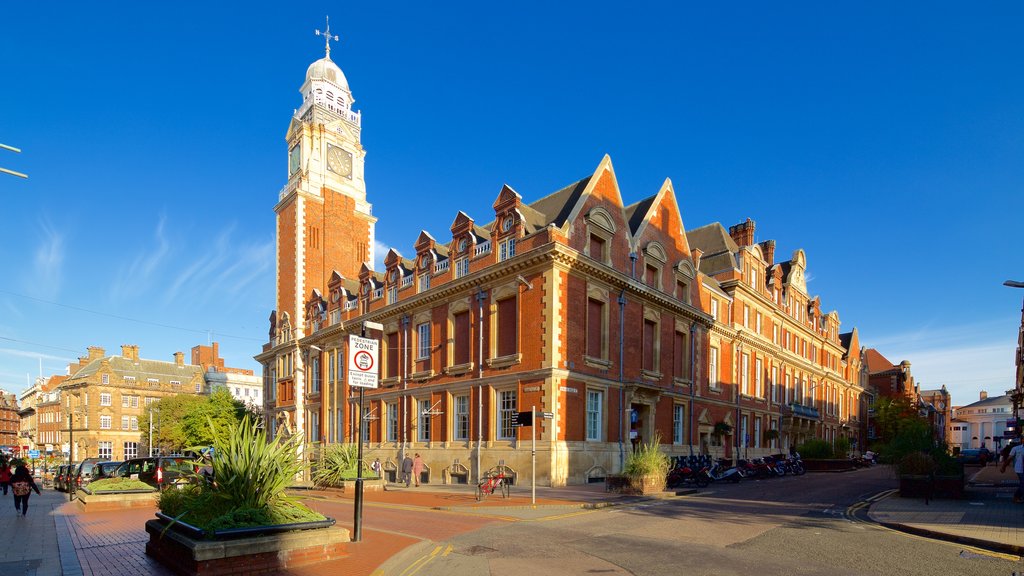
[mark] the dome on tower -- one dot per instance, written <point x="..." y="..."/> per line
<point x="326" y="69"/>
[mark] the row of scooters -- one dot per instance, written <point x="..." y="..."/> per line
<point x="702" y="470"/>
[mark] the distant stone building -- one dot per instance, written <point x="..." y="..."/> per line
<point x="241" y="383"/>
<point x="10" y="421"/>
<point x="937" y="408"/>
<point x="982" y="423"/>
<point x="29" y="433"/>
<point x="106" y="396"/>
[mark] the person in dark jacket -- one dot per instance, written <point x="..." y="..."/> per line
<point x="23" y="485"/>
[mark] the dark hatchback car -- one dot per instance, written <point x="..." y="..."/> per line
<point x="158" y="471"/>
<point x="58" y="477"/>
<point x="82" y="474"/>
<point x="64" y="480"/>
<point x="979" y="456"/>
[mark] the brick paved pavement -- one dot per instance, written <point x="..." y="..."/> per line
<point x="30" y="542"/>
<point x="59" y="538"/>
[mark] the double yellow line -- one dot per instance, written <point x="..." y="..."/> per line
<point x="851" y="514"/>
<point x="421" y="561"/>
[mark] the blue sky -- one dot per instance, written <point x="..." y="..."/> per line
<point x="885" y="140"/>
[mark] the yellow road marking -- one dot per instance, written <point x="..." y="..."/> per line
<point x="421" y="562"/>
<point x="974" y="549"/>
<point x="447" y="551"/>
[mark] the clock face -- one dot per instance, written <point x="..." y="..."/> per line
<point x="294" y="159"/>
<point x="339" y="161"/>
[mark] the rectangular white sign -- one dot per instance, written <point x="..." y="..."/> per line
<point x="362" y="362"/>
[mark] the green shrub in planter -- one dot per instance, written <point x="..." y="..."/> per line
<point x="118" y="485"/>
<point x="815" y="449"/>
<point x="251" y="477"/>
<point x="916" y="464"/>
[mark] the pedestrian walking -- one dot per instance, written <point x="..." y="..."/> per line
<point x="1016" y="455"/>
<point x="417" y="469"/>
<point x="407" y="470"/>
<point x="5" y="475"/>
<point x="375" y="466"/>
<point x="22" y="484"/>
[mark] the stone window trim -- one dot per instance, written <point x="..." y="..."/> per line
<point x="498" y="294"/>
<point x="505" y="361"/>
<point x="684" y="275"/>
<point x="600" y="293"/>
<point x="600" y="224"/>
<point x="457" y="307"/>
<point x="459" y="369"/>
<point x="653" y="315"/>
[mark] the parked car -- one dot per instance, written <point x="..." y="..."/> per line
<point x="56" y="478"/>
<point x="81" y="474"/>
<point x="980" y="456"/>
<point x="62" y="481"/>
<point x="159" y="472"/>
<point x="105" y="469"/>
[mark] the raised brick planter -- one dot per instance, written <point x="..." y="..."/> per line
<point x="269" y="554"/>
<point x="369" y="485"/>
<point x="115" y="500"/>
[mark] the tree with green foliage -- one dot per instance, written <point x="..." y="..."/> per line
<point x="183" y="421"/>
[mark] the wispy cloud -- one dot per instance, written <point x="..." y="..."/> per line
<point x="966" y="359"/>
<point x="380" y="251"/>
<point x="47" y="262"/>
<point x="223" y="267"/>
<point x="30" y="354"/>
<point x="140" y="273"/>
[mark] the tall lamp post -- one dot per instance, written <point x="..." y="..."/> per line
<point x="1018" y="392"/>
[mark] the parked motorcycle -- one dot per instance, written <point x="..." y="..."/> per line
<point x="719" y="472"/>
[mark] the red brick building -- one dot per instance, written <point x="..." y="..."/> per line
<point x="595" y="310"/>
<point x="780" y="370"/>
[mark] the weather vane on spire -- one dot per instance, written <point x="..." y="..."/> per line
<point x="327" y="37"/>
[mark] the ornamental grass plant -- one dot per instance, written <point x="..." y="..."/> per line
<point x="647" y="460"/>
<point x="250" y="477"/>
<point x="337" y="463"/>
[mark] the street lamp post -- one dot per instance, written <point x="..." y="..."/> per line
<point x="1018" y="391"/>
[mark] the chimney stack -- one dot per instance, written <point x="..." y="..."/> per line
<point x="768" y="248"/>
<point x="130" y="352"/>
<point x="179" y="358"/>
<point x="984" y="395"/>
<point x="696" y="253"/>
<point x="743" y="233"/>
<point x="96" y="352"/>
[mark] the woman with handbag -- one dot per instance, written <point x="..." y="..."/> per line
<point x="23" y="485"/>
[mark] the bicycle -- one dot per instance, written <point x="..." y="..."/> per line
<point x="493" y="480"/>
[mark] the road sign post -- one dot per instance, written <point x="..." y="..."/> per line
<point x="362" y="373"/>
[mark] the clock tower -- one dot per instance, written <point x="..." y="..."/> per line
<point x="324" y="222"/>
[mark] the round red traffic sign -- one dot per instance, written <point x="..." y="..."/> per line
<point x="363" y="361"/>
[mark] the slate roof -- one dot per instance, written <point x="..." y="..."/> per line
<point x="990" y="401"/>
<point x="141" y="369"/>
<point x="716" y="244"/>
<point x="556" y="207"/>
<point x="635" y="213"/>
<point x="845" y="338"/>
